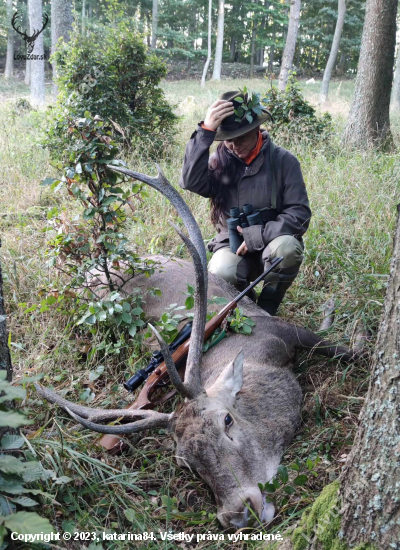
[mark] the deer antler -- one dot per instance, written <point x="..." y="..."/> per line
<point x="13" y="22"/>
<point x="142" y="419"/>
<point x="24" y="34"/>
<point x="192" y="385"/>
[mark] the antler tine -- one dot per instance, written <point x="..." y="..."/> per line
<point x="143" y="419"/>
<point x="13" y="21"/>
<point x="46" y="17"/>
<point x="163" y="186"/>
<point x="153" y="420"/>
<point x="169" y="363"/>
<point x="195" y="245"/>
<point x="193" y="365"/>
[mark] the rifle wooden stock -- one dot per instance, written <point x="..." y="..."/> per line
<point x="114" y="443"/>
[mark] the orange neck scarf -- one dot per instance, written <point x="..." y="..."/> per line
<point x="256" y="149"/>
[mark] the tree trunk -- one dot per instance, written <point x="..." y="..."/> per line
<point x="315" y="66"/>
<point x="149" y="26"/>
<point x="334" y="51"/>
<point x="37" y="62"/>
<point x="83" y="15"/>
<point x="368" y="124"/>
<point x="207" y="63"/>
<point x="5" y="358"/>
<point x="260" y="51"/>
<point x="61" y="26"/>
<point x="253" y="43"/>
<point x="9" y="70"/>
<point x="27" y="62"/>
<point x="154" y="25"/>
<point x="287" y="60"/>
<point x="28" y="72"/>
<point x="342" y="64"/>
<point x="271" y="59"/>
<point x="371" y="480"/>
<point x="220" y="41"/>
<point x="232" y="50"/>
<point x="396" y="84"/>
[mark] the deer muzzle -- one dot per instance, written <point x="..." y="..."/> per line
<point x="241" y="509"/>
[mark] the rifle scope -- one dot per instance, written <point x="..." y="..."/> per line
<point x="141" y="375"/>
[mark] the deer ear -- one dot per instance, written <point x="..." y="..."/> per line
<point x="230" y="381"/>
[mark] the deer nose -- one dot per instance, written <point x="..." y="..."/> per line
<point x="247" y="509"/>
<point x="251" y="508"/>
<point x="268" y="510"/>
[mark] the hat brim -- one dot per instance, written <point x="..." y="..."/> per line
<point x="222" y="135"/>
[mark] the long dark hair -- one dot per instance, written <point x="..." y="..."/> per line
<point x="222" y="173"/>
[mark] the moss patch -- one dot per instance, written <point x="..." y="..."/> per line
<point x="323" y="522"/>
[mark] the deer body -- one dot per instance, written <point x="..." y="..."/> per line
<point x="241" y="402"/>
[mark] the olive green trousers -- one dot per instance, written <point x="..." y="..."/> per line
<point x="241" y="270"/>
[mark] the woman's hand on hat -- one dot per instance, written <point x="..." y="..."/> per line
<point x="242" y="250"/>
<point x="217" y="112"/>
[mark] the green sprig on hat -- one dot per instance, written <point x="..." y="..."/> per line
<point x="249" y="108"/>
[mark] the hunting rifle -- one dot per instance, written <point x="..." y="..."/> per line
<point x="157" y="379"/>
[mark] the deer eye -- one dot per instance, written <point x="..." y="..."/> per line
<point x="228" y="421"/>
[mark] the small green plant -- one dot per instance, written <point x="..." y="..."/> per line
<point x="168" y="324"/>
<point x="17" y="475"/>
<point x="239" y="323"/>
<point x="283" y="486"/>
<point x="248" y="108"/>
<point x="294" y="118"/>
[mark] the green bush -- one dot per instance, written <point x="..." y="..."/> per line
<point x="111" y="74"/>
<point x="295" y="120"/>
<point x="89" y="247"/>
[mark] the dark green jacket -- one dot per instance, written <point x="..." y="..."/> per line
<point x="251" y="184"/>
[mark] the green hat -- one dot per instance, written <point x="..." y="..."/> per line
<point x="230" y="128"/>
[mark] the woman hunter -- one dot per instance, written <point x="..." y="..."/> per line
<point x="247" y="168"/>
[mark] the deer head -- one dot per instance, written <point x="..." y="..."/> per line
<point x="211" y="436"/>
<point x="30" y="40"/>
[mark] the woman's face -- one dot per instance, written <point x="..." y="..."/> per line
<point x="242" y="146"/>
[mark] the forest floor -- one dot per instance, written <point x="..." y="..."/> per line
<point x="353" y="197"/>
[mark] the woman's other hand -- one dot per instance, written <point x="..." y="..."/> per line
<point x="242" y="250"/>
<point x="217" y="112"/>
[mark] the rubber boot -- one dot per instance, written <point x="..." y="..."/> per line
<point x="270" y="299"/>
<point x="274" y="290"/>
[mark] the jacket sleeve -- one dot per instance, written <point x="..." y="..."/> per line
<point x="194" y="175"/>
<point x="295" y="213"/>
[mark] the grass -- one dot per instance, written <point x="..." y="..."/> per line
<point x="353" y="197"/>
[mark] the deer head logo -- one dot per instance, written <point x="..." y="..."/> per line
<point x="30" y="40"/>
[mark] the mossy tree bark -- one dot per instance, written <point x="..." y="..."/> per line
<point x="370" y="486"/>
<point x="5" y="358"/>
<point x="368" y="124"/>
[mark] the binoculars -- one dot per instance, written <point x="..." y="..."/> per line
<point x="244" y="219"/>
